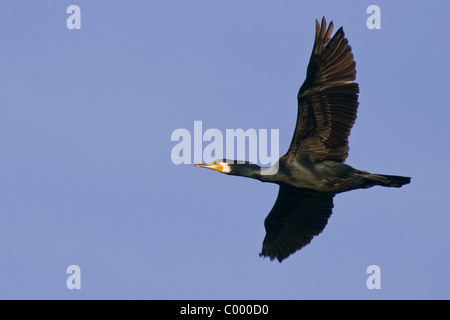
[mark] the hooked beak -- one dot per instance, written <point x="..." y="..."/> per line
<point x="221" y="167"/>
<point x="213" y="166"/>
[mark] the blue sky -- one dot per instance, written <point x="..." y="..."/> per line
<point x="86" y="176"/>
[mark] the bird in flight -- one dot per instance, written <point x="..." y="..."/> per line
<point x="313" y="171"/>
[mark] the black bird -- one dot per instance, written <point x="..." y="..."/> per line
<point x="312" y="171"/>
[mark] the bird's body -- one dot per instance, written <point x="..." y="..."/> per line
<point x="313" y="171"/>
<point x="324" y="176"/>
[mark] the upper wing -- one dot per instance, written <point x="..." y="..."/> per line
<point x="297" y="216"/>
<point x="327" y="100"/>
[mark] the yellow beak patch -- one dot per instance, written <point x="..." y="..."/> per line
<point x="221" y="167"/>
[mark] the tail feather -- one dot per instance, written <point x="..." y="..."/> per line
<point x="387" y="180"/>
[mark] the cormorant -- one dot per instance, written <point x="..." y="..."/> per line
<point x="312" y="171"/>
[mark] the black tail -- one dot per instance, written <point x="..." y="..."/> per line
<point x="386" y="180"/>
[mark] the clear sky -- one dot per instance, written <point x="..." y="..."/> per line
<point x="86" y="176"/>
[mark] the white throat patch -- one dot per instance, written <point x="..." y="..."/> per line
<point x="225" y="167"/>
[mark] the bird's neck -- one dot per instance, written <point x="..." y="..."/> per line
<point x="254" y="171"/>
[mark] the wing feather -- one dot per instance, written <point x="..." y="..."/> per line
<point x="297" y="216"/>
<point x="327" y="100"/>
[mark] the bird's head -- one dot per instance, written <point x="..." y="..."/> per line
<point x="232" y="167"/>
<point x="222" y="165"/>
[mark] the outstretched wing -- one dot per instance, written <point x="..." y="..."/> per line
<point x="297" y="216"/>
<point x="327" y="100"/>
